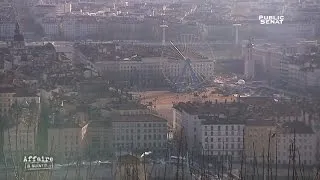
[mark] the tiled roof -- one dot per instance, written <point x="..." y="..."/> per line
<point x="209" y="120"/>
<point x="296" y="127"/>
<point x="138" y="118"/>
<point x="195" y="108"/>
<point x="260" y="123"/>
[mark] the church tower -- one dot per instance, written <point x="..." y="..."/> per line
<point x="18" y="39"/>
<point x="17" y="47"/>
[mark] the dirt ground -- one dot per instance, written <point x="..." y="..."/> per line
<point x="163" y="101"/>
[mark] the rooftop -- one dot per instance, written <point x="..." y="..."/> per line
<point x="256" y="100"/>
<point x="210" y="120"/>
<point x="128" y="106"/>
<point x="296" y="127"/>
<point x="195" y="108"/>
<point x="100" y="124"/>
<point x="260" y="123"/>
<point x="139" y="118"/>
<point x="24" y="93"/>
<point x="7" y="90"/>
<point x="66" y="125"/>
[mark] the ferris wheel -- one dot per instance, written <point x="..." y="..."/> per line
<point x="178" y="63"/>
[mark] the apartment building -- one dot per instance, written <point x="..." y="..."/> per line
<point x="300" y="71"/>
<point x="186" y="119"/>
<point x="259" y="136"/>
<point x="63" y="8"/>
<point x="19" y="139"/>
<point x="98" y="139"/>
<point x="6" y="99"/>
<point x="66" y="142"/>
<point x="222" y="137"/>
<point x="296" y="139"/>
<point x="44" y="10"/>
<point x="152" y="70"/>
<point x="7" y="24"/>
<point x="77" y="27"/>
<point x="140" y="132"/>
<point x="129" y="108"/>
<point x="6" y="30"/>
<point x="51" y="27"/>
<point x="10" y="95"/>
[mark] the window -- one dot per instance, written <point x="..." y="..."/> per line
<point x="227" y="139"/>
<point x="205" y="133"/>
<point x="211" y="128"/>
<point x="226" y="128"/>
<point x="219" y="139"/>
<point x="211" y="139"/>
<point x="219" y="128"/>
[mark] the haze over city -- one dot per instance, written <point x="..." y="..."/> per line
<point x="169" y="89"/>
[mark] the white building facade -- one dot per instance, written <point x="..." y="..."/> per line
<point x="153" y="71"/>
<point x="51" y="27"/>
<point x="77" y="27"/>
<point x="222" y="137"/>
<point x="139" y="132"/>
<point x="190" y="124"/>
<point x="299" y="135"/>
